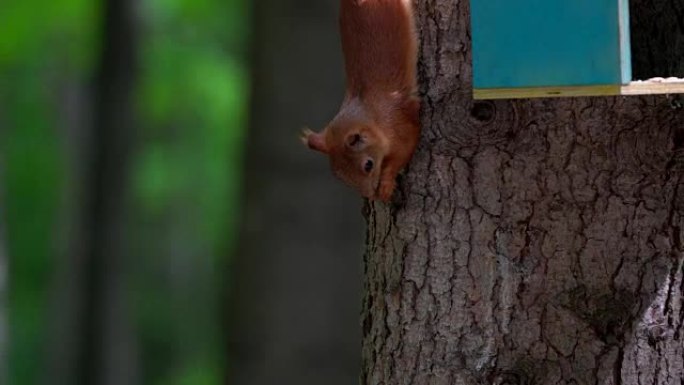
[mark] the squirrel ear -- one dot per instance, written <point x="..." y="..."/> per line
<point x="314" y="141"/>
<point x="355" y="141"/>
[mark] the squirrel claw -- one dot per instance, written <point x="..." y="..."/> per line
<point x="304" y="136"/>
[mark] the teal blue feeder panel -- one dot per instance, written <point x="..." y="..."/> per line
<point x="550" y="43"/>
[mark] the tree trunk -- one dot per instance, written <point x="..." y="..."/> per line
<point x="107" y="353"/>
<point x="536" y="241"/>
<point x="67" y="292"/>
<point x="296" y="287"/>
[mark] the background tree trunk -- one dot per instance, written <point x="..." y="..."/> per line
<point x="108" y="352"/>
<point x="537" y="241"/>
<point x="67" y="290"/>
<point x="296" y="291"/>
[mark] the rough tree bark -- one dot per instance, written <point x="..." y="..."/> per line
<point x="535" y="241"/>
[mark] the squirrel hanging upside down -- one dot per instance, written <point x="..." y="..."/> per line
<point x="376" y="130"/>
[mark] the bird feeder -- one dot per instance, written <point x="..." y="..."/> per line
<point x="546" y="48"/>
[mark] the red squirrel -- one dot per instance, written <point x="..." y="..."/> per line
<point x="374" y="134"/>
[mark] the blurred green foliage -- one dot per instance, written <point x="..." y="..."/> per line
<point x="191" y="105"/>
<point x="32" y="180"/>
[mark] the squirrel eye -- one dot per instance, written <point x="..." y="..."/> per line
<point x="368" y="166"/>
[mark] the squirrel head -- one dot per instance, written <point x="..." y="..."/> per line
<point x="369" y="143"/>
<point x="357" y="150"/>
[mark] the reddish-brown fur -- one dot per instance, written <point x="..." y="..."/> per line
<point x="376" y="130"/>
